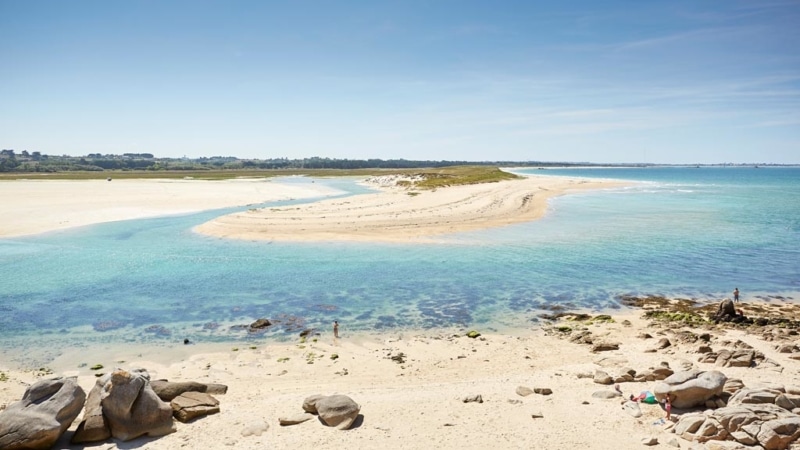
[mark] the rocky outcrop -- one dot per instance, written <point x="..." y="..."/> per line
<point x="767" y="425"/>
<point x="691" y="388"/>
<point x="765" y="416"/>
<point x="259" y="326"/>
<point x="776" y="395"/>
<point x="46" y="410"/>
<point x="726" y="309"/>
<point x="737" y="354"/>
<point x="130" y="407"/>
<point x="261" y="323"/>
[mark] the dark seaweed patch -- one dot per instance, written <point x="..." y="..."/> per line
<point x="365" y="315"/>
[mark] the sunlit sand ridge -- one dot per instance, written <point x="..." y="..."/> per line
<point x="400" y="214"/>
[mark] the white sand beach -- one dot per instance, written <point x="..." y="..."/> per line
<point x="36" y="206"/>
<point x="418" y="403"/>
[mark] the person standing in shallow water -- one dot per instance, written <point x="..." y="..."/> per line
<point x="736" y="294"/>
<point x="336" y="329"/>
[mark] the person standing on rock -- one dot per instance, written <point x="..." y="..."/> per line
<point x="736" y="294"/>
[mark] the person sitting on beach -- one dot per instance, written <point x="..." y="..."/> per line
<point x="645" y="397"/>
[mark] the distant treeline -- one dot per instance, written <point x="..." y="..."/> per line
<point x="11" y="161"/>
<point x="24" y="161"/>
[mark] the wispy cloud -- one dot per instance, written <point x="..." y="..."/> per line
<point x="686" y="36"/>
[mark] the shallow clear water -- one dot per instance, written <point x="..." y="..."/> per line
<point x="685" y="232"/>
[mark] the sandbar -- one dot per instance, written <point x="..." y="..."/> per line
<point x="399" y="214"/>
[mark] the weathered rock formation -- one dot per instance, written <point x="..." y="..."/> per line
<point x="761" y="416"/>
<point x="46" y="410"/>
<point x="764" y="424"/>
<point x="691" y="388"/>
<point x="129" y="406"/>
<point x="726" y="309"/>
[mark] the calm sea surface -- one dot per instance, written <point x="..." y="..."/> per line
<point x="688" y="232"/>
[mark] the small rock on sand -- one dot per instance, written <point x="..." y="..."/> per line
<point x="295" y="419"/>
<point x="524" y="391"/>
<point x="473" y="398"/>
<point x="650" y="440"/>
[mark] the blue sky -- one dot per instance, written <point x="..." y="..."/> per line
<point x="614" y="81"/>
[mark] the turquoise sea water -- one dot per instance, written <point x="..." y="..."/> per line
<point x="693" y="233"/>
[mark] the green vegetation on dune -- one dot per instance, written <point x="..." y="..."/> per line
<point x="459" y="175"/>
